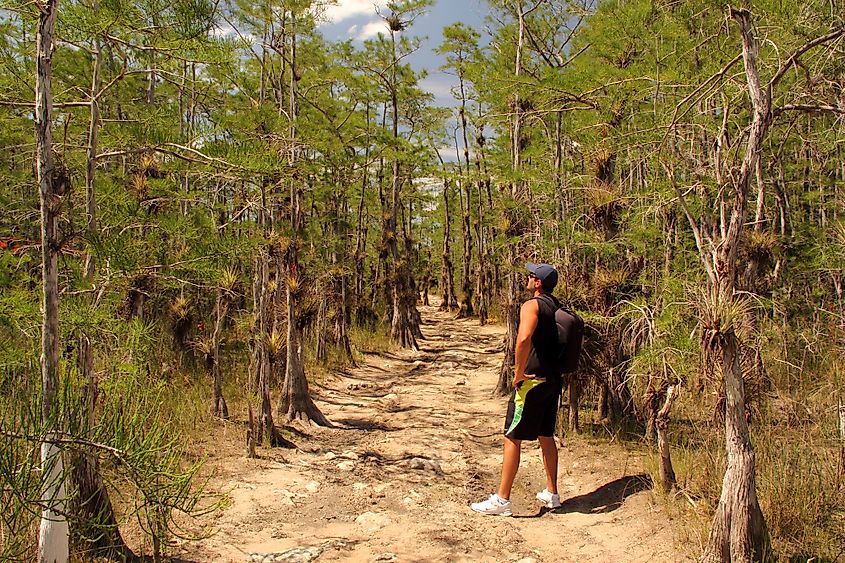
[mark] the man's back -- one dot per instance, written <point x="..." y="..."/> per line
<point x="542" y="359"/>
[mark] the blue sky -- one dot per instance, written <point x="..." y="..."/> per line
<point x="358" y="20"/>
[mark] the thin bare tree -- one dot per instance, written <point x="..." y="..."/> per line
<point x="295" y="401"/>
<point x="52" y="184"/>
<point x="515" y="227"/>
<point x="738" y="531"/>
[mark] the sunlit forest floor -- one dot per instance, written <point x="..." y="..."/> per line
<point x="417" y="438"/>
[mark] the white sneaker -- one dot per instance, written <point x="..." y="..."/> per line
<point x="494" y="506"/>
<point x="551" y="500"/>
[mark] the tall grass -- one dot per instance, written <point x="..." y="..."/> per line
<point x="794" y="429"/>
<point x="795" y="482"/>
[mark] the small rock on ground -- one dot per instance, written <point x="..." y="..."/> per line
<point x="298" y="554"/>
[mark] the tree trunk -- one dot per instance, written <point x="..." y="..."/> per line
<point x="760" y="212"/>
<point x="262" y="354"/>
<point x="620" y="403"/>
<point x="91" y="162"/>
<point x="411" y="293"/>
<point x="380" y="289"/>
<point x="447" y="284"/>
<point x="221" y="309"/>
<point x="738" y="531"/>
<point x="357" y="297"/>
<point x="574" y="398"/>
<point x="322" y="336"/>
<point x="295" y="402"/>
<point x="251" y="434"/>
<point x="152" y="73"/>
<point x="261" y="363"/>
<point x="652" y="408"/>
<point x="514" y="286"/>
<point x="562" y="196"/>
<point x="404" y="325"/>
<point x="340" y="283"/>
<point x="480" y="275"/>
<point x="511" y="313"/>
<point x="332" y="326"/>
<point x="343" y="321"/>
<point x="52" y="185"/>
<point x="602" y="408"/>
<point x="841" y="476"/>
<point x="466" y="308"/>
<point x="661" y="422"/>
<point x="94" y="525"/>
<point x="94" y="522"/>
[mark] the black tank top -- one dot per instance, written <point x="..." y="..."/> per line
<point x="541" y="360"/>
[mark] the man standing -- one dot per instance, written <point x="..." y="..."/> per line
<point x="532" y="410"/>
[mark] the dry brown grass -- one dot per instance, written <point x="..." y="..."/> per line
<point x="794" y="430"/>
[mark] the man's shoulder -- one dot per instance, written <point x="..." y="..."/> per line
<point x="531" y="304"/>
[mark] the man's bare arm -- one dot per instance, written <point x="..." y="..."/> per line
<point x="529" y="315"/>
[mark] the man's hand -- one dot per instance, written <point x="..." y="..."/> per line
<point x="519" y="378"/>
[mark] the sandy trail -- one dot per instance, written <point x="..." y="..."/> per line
<point x="418" y="438"/>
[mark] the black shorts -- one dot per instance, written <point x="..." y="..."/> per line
<point x="532" y="410"/>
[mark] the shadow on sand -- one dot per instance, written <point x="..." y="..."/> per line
<point x="606" y="498"/>
<point x="363" y="424"/>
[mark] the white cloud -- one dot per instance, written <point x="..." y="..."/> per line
<point x="449" y="154"/>
<point x="368" y="30"/>
<point x="224" y="30"/>
<point x="345" y="9"/>
<point x="439" y="84"/>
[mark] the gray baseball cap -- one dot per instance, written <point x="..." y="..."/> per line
<point x="546" y="273"/>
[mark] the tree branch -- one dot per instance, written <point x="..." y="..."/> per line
<point x="54" y="438"/>
<point x="801" y="50"/>
<point x="201" y="158"/>
<point x="55" y="105"/>
<point x="718" y="76"/>
<point x="807" y="108"/>
<point x="699" y="238"/>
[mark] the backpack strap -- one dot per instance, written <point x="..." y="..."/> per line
<point x="554" y="302"/>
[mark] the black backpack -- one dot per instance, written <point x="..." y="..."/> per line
<point x="570" y="336"/>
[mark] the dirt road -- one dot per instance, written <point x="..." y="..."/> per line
<point x="418" y="438"/>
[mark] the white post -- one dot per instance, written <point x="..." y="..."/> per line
<point x="53" y="533"/>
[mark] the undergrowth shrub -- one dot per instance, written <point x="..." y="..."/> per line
<point x="137" y="438"/>
<point x="794" y="430"/>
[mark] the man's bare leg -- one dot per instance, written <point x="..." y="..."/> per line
<point x="510" y="465"/>
<point x="549" y="449"/>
